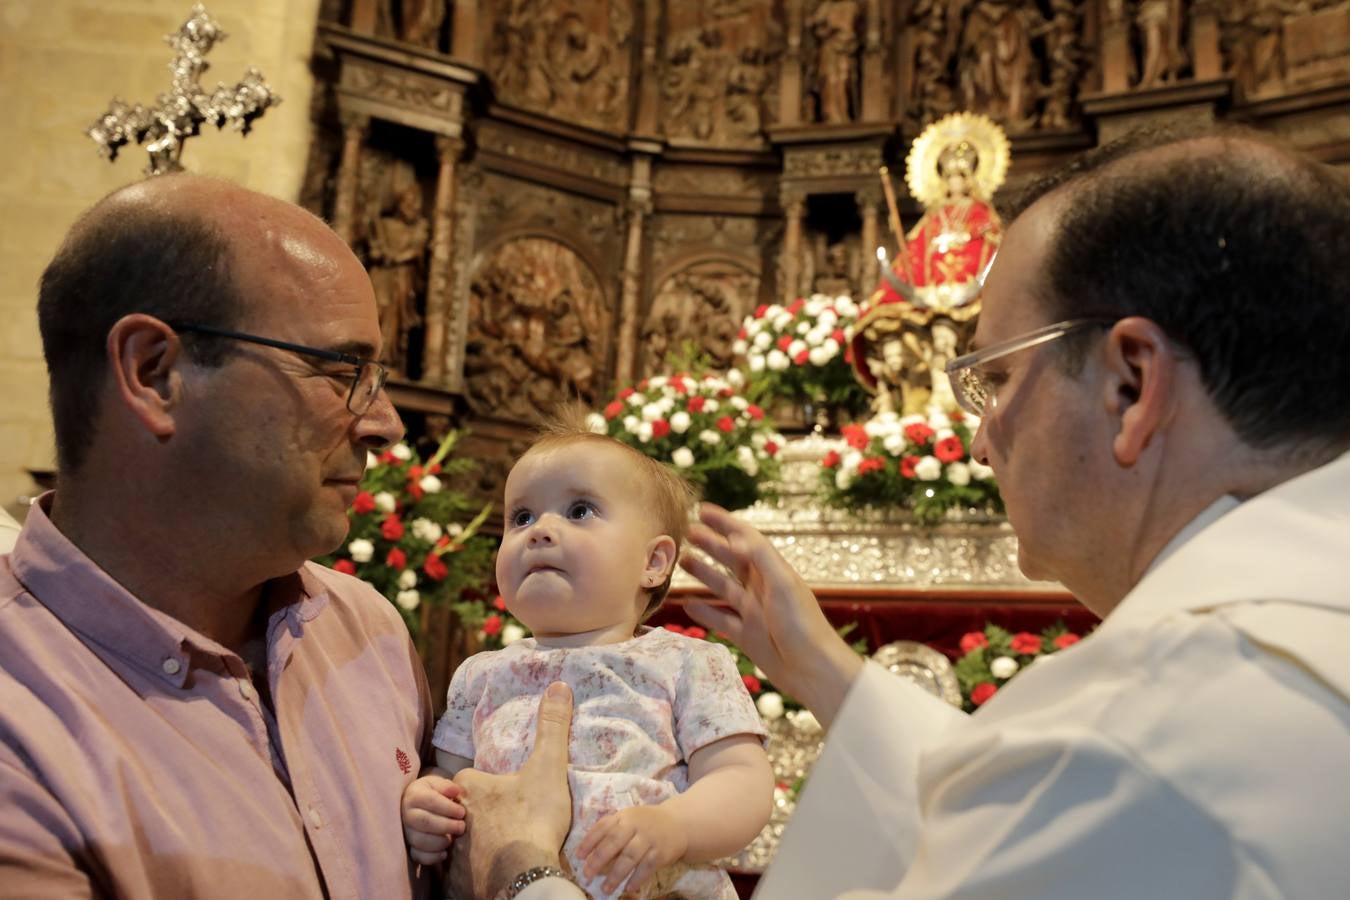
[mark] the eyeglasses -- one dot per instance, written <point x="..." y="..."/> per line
<point x="369" y="377"/>
<point x="973" y="389"/>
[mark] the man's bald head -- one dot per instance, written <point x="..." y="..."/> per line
<point x="1236" y="247"/>
<point x="164" y="246"/>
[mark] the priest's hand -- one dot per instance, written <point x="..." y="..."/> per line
<point x="519" y="821"/>
<point x="774" y="618"/>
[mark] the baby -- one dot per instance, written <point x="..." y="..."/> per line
<point x="668" y="769"/>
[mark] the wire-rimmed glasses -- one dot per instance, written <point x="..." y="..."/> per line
<point x="972" y="388"/>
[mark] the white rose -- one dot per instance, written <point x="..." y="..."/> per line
<point x="980" y="471"/>
<point x="928" y="469"/>
<point x="782" y="321"/>
<point x="710" y="406"/>
<point x="385" y="502"/>
<point x="407" y="579"/>
<point x="843" y="478"/>
<point x="938" y="421"/>
<point x="651" y="411"/>
<point x="816" y="304"/>
<point x="778" y="360"/>
<point x="759" y="439"/>
<point x="683" y="457"/>
<point x="756" y="363"/>
<point x="596" y="423"/>
<point x="941" y="434"/>
<point x="644" y="432"/>
<point x="751" y="326"/>
<point x="657" y="381"/>
<point x="739" y="347"/>
<point x="371" y="460"/>
<point x="745" y="458"/>
<point x="832" y="345"/>
<point x="851" y="460"/>
<point x="763" y="340"/>
<point x="795" y="347"/>
<point x="819" y="356"/>
<point x="736" y="378"/>
<point x="739" y="402"/>
<point x="958" y="473"/>
<point x="400" y="452"/>
<point x="827" y="319"/>
<point x="804" y="720"/>
<point x="361" y="550"/>
<point x="454" y="529"/>
<point x="816" y="336"/>
<point x="430" y="484"/>
<point x="408" y="600"/>
<point x="631" y="423"/>
<point x="912" y="419"/>
<point x="803" y="327"/>
<point x="426" y="530"/>
<point x="1003" y="667"/>
<point x="846" y="306"/>
<point x="708" y="436"/>
<point x="770" y="705"/>
<point x="679" y="423"/>
<point x="773" y="312"/>
<point x="511" y="632"/>
<point x="894" y="443"/>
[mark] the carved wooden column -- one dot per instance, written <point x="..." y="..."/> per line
<point x="868" y="200"/>
<point x="794" y="211"/>
<point x="790" y="73"/>
<point x="873" y="78"/>
<point x="1207" y="62"/>
<point x="439" y="272"/>
<point x="354" y="129"/>
<point x="464" y="31"/>
<point x="649" y="76"/>
<point x="639" y="207"/>
<point x="1117" y="55"/>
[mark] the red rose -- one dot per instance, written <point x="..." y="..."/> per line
<point x="949" y="449"/>
<point x="364" y="503"/>
<point x="754" y="412"/>
<point x="435" y="568"/>
<point x="980" y="694"/>
<point x="725" y="424"/>
<point x="785" y="342"/>
<point x="694" y="631"/>
<point x="761" y="310"/>
<point x="396" y="559"/>
<point x="956" y="415"/>
<point x="345" y="566"/>
<point x="838" y="335"/>
<point x="626" y="393"/>
<point x="642" y="385"/>
<point x="696" y="404"/>
<point x="414" y="473"/>
<point x="673" y="627"/>
<point x="831" y="459"/>
<point x="434" y="468"/>
<point x="796" y="306"/>
<point x="388" y="458"/>
<point x="907" y="464"/>
<point x="680" y="385"/>
<point x="660" y="428"/>
<point x="725" y="392"/>
<point x="741" y="334"/>
<point x="391" y="528"/>
<point x="802" y="358"/>
<point x="415" y="491"/>
<point x="499" y="603"/>
<point x="856" y="436"/>
<point x="973" y="640"/>
<point x="443" y="541"/>
<point x="770" y="448"/>
<point x="492" y="624"/>
<point x="752" y="684"/>
<point x="1067" y="639"/>
<point x="919" y="433"/>
<point x="613" y="409"/>
<point x="871" y="464"/>
<point x="848" y="354"/>
<point x="1026" y="643"/>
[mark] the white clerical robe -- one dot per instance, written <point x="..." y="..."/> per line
<point x="1197" y="745"/>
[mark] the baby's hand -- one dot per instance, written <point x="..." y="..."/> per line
<point x="431" y="818"/>
<point x="637" y="840"/>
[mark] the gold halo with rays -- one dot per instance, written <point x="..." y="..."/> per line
<point x="991" y="146"/>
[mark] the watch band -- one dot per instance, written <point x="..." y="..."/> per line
<point x="529" y="877"/>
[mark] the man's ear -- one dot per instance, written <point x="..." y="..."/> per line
<point x="1139" y="388"/>
<point x="142" y="351"/>
<point x="661" y="552"/>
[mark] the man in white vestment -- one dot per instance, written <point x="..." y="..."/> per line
<point x="9" y="531"/>
<point x="1162" y="369"/>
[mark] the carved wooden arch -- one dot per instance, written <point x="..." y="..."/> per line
<point x="584" y="252"/>
<point x="701" y="298"/>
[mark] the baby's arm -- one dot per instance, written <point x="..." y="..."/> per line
<point x="729" y="800"/>
<point x="432" y="817"/>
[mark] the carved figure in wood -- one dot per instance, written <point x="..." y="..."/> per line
<point x="1065" y="52"/>
<point x="411" y="21"/>
<point x="1160" y="33"/>
<point x="834" y="24"/>
<point x="934" y="45"/>
<point x="1253" y="36"/>
<point x="702" y="306"/>
<point x="396" y="245"/>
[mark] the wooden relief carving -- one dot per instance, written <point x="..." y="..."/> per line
<point x="833" y="32"/>
<point x="538" y="330"/>
<point x="569" y="59"/>
<point x="701" y="305"/>
<point x="1272" y="45"/>
<point x="718" y="71"/>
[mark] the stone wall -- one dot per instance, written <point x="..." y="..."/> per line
<point x="61" y="61"/>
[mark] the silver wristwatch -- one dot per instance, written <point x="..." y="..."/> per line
<point x="529" y="877"/>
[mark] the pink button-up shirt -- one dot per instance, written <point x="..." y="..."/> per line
<point x="137" y="760"/>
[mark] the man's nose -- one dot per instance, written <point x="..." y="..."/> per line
<point x="379" y="426"/>
<point x="979" y="444"/>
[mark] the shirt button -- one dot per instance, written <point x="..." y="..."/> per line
<point x="315" y="819"/>
<point x="171" y="666"/>
<point x="246" y="690"/>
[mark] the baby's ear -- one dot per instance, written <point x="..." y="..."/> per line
<point x="661" y="554"/>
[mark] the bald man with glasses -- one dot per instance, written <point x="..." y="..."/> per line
<point x="189" y="708"/>
<point x="1162" y="374"/>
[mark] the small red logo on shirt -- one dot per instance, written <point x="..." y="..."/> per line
<point x="404" y="763"/>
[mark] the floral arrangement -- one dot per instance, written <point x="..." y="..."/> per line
<point x="992" y="656"/>
<point x="920" y="463"/>
<point x="801" y="351"/>
<point x="491" y="623"/>
<point x="704" y="426"/>
<point x="412" y="537"/>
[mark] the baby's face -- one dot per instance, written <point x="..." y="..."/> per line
<point x="577" y="542"/>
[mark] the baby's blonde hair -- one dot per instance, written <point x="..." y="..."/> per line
<point x="671" y="494"/>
